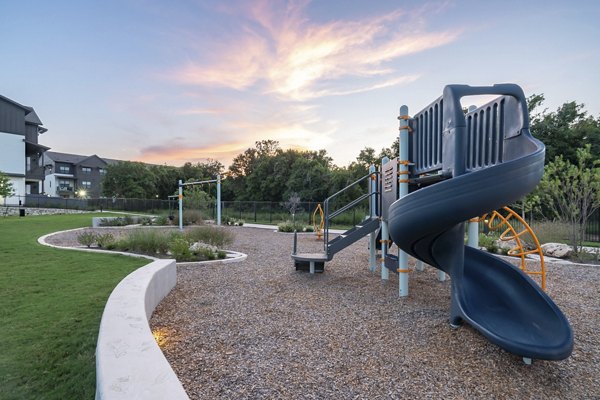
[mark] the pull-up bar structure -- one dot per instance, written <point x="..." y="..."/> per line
<point x="180" y="197"/>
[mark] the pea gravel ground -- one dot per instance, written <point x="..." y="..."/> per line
<point x="259" y="329"/>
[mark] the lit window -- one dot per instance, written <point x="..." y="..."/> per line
<point x="63" y="169"/>
<point x="86" y="184"/>
<point x="102" y="171"/>
<point x="86" y="170"/>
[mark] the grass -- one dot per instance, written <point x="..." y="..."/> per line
<point x="51" y="302"/>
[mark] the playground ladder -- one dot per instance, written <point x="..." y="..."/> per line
<point x="335" y="245"/>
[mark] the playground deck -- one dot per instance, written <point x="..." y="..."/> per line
<point x="259" y="329"/>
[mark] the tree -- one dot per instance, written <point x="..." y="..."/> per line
<point x="201" y="171"/>
<point x="165" y="180"/>
<point x="572" y="191"/>
<point x="129" y="179"/>
<point x="6" y="187"/>
<point x="564" y="131"/>
<point x="309" y="179"/>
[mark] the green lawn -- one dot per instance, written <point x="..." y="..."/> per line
<point x="51" y="302"/>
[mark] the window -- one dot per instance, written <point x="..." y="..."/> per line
<point x="64" y="185"/>
<point x="102" y="171"/>
<point x="86" y="170"/>
<point x="64" y="169"/>
<point x="86" y="184"/>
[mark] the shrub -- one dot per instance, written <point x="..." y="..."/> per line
<point x="105" y="240"/>
<point x="211" y="235"/>
<point x="190" y="217"/>
<point x="119" y="221"/>
<point x="148" y="241"/>
<point x="161" y="220"/>
<point x="86" y="238"/>
<point x="180" y="249"/>
<point x="233" y="221"/>
<point x="221" y="254"/>
<point x="146" y="221"/>
<point x="308" y="228"/>
<point x="489" y="242"/>
<point x="286" y="226"/>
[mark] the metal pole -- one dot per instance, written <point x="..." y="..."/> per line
<point x="403" y="174"/>
<point x="473" y="233"/>
<point x="219" y="200"/>
<point x="372" y="213"/>
<point x="473" y="226"/>
<point x="385" y="274"/>
<point x="180" y="197"/>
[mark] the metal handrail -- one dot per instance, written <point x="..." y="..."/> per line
<point x="348" y="206"/>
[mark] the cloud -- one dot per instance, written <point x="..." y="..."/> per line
<point x="267" y="73"/>
<point x="279" y="51"/>
<point x="179" y="152"/>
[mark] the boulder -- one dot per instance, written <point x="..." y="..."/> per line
<point x="506" y="245"/>
<point x="557" y="250"/>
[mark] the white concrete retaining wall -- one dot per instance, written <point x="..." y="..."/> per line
<point x="129" y="363"/>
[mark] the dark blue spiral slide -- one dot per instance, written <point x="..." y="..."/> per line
<point x="490" y="294"/>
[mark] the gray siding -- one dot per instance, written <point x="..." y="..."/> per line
<point x="12" y="118"/>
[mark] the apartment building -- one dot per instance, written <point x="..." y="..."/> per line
<point x="74" y="175"/>
<point x="21" y="155"/>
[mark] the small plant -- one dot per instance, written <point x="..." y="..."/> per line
<point x="190" y="217"/>
<point x="146" y="221"/>
<point x="148" y="241"/>
<point x="489" y="242"/>
<point x="308" y="228"/>
<point x="105" y="240"/>
<point x="119" y="221"/>
<point x="221" y="254"/>
<point x="86" y="238"/>
<point x="286" y="226"/>
<point x="211" y="235"/>
<point x="161" y="220"/>
<point x="180" y="249"/>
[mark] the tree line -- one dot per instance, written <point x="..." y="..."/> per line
<point x="265" y="172"/>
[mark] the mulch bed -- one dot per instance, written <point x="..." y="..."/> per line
<point x="259" y="329"/>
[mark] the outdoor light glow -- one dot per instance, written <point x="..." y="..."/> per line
<point x="82" y="193"/>
<point x="160" y="336"/>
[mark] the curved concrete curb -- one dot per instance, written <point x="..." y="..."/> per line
<point x="129" y="362"/>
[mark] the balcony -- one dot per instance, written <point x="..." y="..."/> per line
<point x="65" y="189"/>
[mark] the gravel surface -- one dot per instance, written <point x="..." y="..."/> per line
<point x="259" y="329"/>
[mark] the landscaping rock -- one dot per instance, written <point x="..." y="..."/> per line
<point x="557" y="250"/>
<point x="506" y="245"/>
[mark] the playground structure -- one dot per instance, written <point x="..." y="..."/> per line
<point x="454" y="167"/>
<point x="181" y="185"/>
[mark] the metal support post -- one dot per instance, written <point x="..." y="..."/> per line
<point x="385" y="274"/>
<point x="473" y="233"/>
<point x="373" y="213"/>
<point x="219" y="200"/>
<point x="419" y="265"/>
<point x="180" y="197"/>
<point x="372" y="251"/>
<point x="403" y="174"/>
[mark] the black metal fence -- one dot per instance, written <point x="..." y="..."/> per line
<point x="261" y="212"/>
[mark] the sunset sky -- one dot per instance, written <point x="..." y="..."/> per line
<point x="186" y="80"/>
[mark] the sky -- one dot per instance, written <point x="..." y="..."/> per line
<point x="167" y="82"/>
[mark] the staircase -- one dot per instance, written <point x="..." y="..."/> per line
<point x="315" y="262"/>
